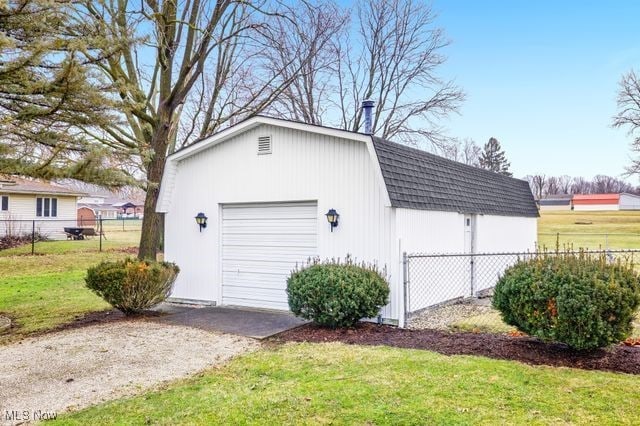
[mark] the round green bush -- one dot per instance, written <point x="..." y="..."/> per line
<point x="132" y="285"/>
<point x="334" y="294"/>
<point x="582" y="300"/>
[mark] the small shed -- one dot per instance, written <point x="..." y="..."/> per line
<point x="86" y="216"/>
<point x="266" y="185"/>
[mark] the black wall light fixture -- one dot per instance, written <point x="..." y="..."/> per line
<point x="201" y="220"/>
<point x="332" y="217"/>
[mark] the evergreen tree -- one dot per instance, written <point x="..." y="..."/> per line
<point x="47" y="95"/>
<point x="493" y="158"/>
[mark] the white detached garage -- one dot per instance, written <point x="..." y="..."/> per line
<point x="266" y="184"/>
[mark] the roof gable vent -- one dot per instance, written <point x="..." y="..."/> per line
<point x="264" y="145"/>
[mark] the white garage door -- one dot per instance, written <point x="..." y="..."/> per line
<point x="261" y="244"/>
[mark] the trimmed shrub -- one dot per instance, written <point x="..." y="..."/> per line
<point x="335" y="294"/>
<point x="132" y="285"/>
<point x="583" y="300"/>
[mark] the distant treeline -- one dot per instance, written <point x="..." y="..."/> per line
<point x="542" y="185"/>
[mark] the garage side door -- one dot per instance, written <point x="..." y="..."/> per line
<point x="261" y="244"/>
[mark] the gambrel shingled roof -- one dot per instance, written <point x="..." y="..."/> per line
<point x="416" y="179"/>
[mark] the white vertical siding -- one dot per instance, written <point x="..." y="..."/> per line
<point x="596" y="207"/>
<point x="426" y="231"/>
<point x="432" y="279"/>
<point x="629" y="202"/>
<point x="437" y="279"/>
<point x="334" y="172"/>
<point x="501" y="234"/>
<point x="496" y="234"/>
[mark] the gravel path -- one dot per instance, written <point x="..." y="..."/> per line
<point x="73" y="369"/>
<point x="443" y="317"/>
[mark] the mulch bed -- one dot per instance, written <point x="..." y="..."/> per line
<point x="623" y="359"/>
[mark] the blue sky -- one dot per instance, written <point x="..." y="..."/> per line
<point x="541" y="76"/>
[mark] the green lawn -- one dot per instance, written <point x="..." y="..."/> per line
<point x="622" y="229"/>
<point x="115" y="237"/>
<point x="44" y="291"/>
<point x="340" y="384"/>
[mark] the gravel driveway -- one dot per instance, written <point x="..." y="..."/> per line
<point x="72" y="369"/>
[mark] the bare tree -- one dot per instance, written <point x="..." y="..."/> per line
<point x="553" y="187"/>
<point x="580" y="185"/>
<point x="392" y="57"/>
<point x="465" y="151"/>
<point x="307" y="98"/>
<point x="538" y="184"/>
<point x="181" y="70"/>
<point x="628" y="115"/>
<point x="564" y="184"/>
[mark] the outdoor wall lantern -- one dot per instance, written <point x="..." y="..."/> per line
<point x="332" y="217"/>
<point x="201" y="220"/>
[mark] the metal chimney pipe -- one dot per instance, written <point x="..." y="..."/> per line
<point x="367" y="108"/>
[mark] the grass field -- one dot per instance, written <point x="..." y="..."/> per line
<point x="339" y="384"/>
<point x="593" y="230"/>
<point x="44" y="291"/>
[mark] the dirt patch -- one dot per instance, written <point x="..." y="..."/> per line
<point x="129" y="250"/>
<point x="624" y="359"/>
<point x="4" y="323"/>
<point x="103" y="317"/>
<point x="73" y="369"/>
<point x="12" y="332"/>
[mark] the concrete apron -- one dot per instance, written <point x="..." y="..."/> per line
<point x="254" y="323"/>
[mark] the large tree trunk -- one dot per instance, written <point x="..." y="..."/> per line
<point x="152" y="222"/>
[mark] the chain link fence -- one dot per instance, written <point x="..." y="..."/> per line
<point x="453" y="291"/>
<point x="59" y="235"/>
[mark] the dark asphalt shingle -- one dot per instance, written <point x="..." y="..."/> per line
<point x="420" y="180"/>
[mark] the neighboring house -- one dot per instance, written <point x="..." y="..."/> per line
<point x="606" y="202"/>
<point x="266" y="184"/>
<point x="107" y="206"/>
<point x="556" y="202"/>
<point x="130" y="209"/>
<point x="25" y="203"/>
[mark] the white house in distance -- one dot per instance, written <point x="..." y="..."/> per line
<point x="266" y="184"/>
<point x="23" y="201"/>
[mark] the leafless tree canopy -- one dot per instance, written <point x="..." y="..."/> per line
<point x="542" y="186"/>
<point x="465" y="151"/>
<point x="160" y="74"/>
<point x="183" y="70"/>
<point x="388" y="51"/>
<point x="628" y="115"/>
